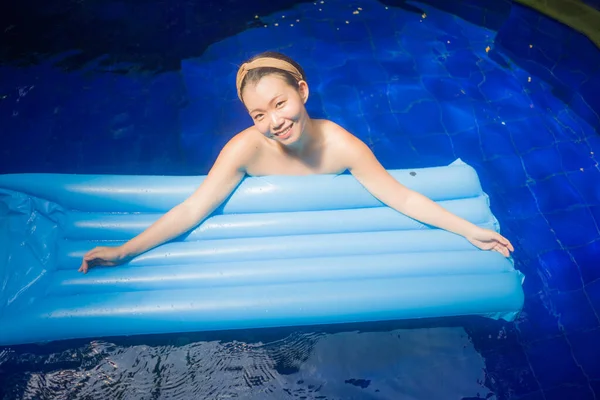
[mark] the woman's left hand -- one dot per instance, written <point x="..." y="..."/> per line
<point x="487" y="239"/>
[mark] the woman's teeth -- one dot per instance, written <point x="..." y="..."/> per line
<point x="284" y="132"/>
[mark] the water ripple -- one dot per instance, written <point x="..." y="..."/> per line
<point x="104" y="370"/>
<point x="294" y="364"/>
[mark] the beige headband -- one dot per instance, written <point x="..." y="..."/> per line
<point x="265" y="62"/>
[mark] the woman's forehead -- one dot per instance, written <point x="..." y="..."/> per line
<point x="267" y="88"/>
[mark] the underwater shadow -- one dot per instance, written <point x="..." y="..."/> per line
<point x="147" y="36"/>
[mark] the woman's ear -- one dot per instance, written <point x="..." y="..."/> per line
<point x="303" y="90"/>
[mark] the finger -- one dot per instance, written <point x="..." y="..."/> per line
<point x="506" y="247"/>
<point x="90" y="254"/>
<point x="506" y="243"/>
<point x="500" y="249"/>
<point x="500" y="239"/>
<point x="84" y="267"/>
<point x="92" y="263"/>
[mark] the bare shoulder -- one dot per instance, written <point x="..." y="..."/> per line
<point x="341" y="139"/>
<point x="349" y="151"/>
<point x="242" y="148"/>
<point x="330" y="128"/>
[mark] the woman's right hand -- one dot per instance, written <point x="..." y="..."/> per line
<point x="104" y="256"/>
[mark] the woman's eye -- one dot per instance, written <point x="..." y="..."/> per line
<point x="280" y="104"/>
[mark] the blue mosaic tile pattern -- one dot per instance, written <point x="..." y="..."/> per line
<point x="507" y="90"/>
<point x="560" y="56"/>
<point x="104" y="124"/>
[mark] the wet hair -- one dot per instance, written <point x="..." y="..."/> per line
<point x="255" y="75"/>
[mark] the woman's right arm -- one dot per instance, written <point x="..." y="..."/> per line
<point x="224" y="176"/>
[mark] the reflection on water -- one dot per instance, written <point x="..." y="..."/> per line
<point x="425" y="363"/>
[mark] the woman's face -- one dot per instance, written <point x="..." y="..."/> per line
<point x="277" y="108"/>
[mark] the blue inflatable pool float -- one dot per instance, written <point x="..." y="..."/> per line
<point x="281" y="251"/>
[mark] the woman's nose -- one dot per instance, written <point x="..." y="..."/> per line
<point x="276" y="120"/>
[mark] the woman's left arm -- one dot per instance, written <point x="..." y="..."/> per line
<point x="364" y="166"/>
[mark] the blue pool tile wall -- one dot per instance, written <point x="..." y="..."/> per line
<point x="560" y="56"/>
<point x="507" y="90"/>
<point x="560" y="339"/>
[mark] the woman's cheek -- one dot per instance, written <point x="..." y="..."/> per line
<point x="264" y="129"/>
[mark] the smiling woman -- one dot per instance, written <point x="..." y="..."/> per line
<point x="284" y="140"/>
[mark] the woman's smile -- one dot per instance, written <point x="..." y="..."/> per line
<point x="285" y="133"/>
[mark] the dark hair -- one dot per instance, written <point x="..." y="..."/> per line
<point x="255" y="75"/>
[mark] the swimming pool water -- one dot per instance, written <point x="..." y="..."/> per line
<point x="422" y="87"/>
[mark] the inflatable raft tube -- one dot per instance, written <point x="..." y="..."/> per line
<point x="281" y="251"/>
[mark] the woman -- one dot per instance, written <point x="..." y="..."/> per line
<point x="284" y="140"/>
